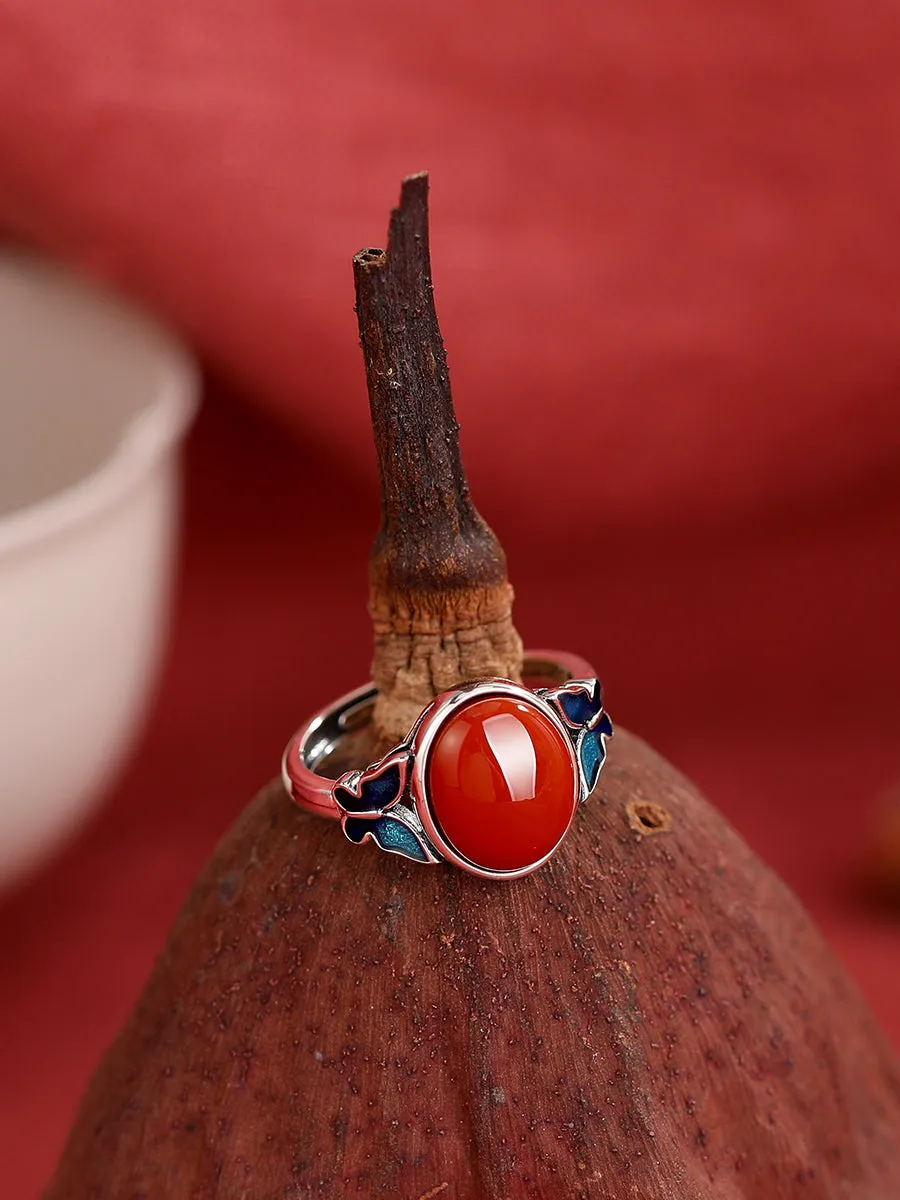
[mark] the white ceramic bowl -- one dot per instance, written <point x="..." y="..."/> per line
<point x="94" y="400"/>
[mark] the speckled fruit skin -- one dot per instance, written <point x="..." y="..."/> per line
<point x="649" y="1015"/>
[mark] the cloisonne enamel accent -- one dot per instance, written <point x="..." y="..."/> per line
<point x="443" y="793"/>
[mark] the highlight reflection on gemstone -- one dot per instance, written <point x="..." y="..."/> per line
<point x="513" y="752"/>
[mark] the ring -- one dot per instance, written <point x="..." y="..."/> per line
<point x="489" y="777"/>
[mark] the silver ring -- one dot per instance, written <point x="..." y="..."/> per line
<point x="489" y="777"/>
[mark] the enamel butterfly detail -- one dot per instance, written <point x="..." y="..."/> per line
<point x="391" y="802"/>
<point x="580" y="705"/>
<point x="371" y="808"/>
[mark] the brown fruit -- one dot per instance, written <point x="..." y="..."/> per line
<point x="651" y="1015"/>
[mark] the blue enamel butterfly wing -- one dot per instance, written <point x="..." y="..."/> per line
<point x="376" y="793"/>
<point x="593" y="751"/>
<point x="390" y="834"/>
<point x="579" y="707"/>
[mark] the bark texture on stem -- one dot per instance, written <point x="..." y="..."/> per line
<point x="440" y="600"/>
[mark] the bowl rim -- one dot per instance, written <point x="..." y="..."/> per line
<point x="143" y="440"/>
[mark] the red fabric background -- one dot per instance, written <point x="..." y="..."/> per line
<point x="668" y="272"/>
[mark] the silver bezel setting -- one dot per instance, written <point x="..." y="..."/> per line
<point x="422" y="739"/>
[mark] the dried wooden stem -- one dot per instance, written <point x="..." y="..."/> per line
<point x="440" y="600"/>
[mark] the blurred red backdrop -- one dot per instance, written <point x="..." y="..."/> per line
<point x="668" y="272"/>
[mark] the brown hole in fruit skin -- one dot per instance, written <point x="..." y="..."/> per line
<point x="647" y="818"/>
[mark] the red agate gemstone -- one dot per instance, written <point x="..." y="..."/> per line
<point x="502" y="783"/>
